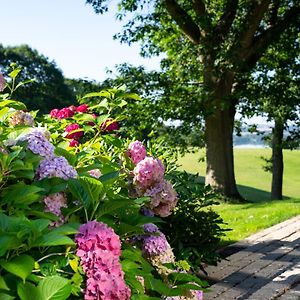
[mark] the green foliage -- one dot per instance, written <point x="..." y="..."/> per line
<point x="194" y="229"/>
<point x="38" y="253"/>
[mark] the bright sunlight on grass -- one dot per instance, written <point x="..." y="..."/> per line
<point x="254" y="184"/>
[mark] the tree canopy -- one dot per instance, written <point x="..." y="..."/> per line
<point x="208" y="44"/>
<point x="48" y="90"/>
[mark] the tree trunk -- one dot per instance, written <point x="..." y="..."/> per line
<point x="277" y="160"/>
<point x="219" y="142"/>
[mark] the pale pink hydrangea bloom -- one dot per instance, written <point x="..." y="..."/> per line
<point x="99" y="249"/>
<point x="191" y="295"/>
<point x="163" y="198"/>
<point x="147" y="172"/>
<point x="2" y="82"/>
<point x="21" y="118"/>
<point x="95" y="173"/>
<point x="136" y="151"/>
<point x="53" y="204"/>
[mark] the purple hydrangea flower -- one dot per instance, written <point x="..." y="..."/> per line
<point x="38" y="144"/>
<point x="56" y="166"/>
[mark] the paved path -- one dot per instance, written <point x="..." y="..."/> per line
<point x="266" y="267"/>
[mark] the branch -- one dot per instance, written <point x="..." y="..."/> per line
<point x="184" y="21"/>
<point x="252" y="21"/>
<point x="199" y="7"/>
<point x="272" y="34"/>
<point x="227" y="18"/>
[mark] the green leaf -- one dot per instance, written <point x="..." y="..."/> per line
<point x="109" y="176"/>
<point x="20" y="193"/>
<point x="8" y="242"/>
<point x="70" y="228"/>
<point x="28" y="291"/>
<point x="13" y="104"/>
<point x="71" y="158"/>
<point x="53" y="239"/>
<point x="112" y="205"/>
<point x="86" y="189"/>
<point x="20" y="266"/>
<point x="54" y="288"/>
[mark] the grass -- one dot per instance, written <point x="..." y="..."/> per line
<point x="254" y="184"/>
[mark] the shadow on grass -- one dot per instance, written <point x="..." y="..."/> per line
<point x="251" y="194"/>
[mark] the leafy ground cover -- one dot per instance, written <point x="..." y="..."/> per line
<point x="254" y="184"/>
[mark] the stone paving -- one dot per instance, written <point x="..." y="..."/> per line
<point x="267" y="266"/>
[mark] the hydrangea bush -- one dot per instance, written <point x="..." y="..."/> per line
<point x="78" y="206"/>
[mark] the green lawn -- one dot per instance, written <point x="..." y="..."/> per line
<point x="254" y="184"/>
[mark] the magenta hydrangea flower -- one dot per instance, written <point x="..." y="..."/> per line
<point x="54" y="112"/>
<point x="74" y="135"/>
<point x="53" y="204"/>
<point x="2" y="82"/>
<point x="65" y="113"/>
<point x="73" y="143"/>
<point x="109" y="125"/>
<point x="82" y="108"/>
<point x="56" y="166"/>
<point x="38" y="144"/>
<point x="99" y="249"/>
<point x="136" y="151"/>
<point x="163" y="198"/>
<point x="148" y="172"/>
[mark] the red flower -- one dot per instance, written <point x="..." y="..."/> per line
<point x="73" y="135"/>
<point x="73" y="143"/>
<point x="65" y="113"/>
<point x="54" y="112"/>
<point x="110" y="125"/>
<point x="82" y="108"/>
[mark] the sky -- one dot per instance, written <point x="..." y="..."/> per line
<point x="70" y="33"/>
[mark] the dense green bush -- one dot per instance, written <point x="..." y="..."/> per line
<point x="194" y="230"/>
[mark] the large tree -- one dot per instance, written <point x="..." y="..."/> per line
<point x="211" y="43"/>
<point x="273" y="91"/>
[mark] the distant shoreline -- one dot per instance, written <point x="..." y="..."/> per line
<point x="253" y="146"/>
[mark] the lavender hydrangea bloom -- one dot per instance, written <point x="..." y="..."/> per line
<point x="55" y="167"/>
<point x="150" y="228"/>
<point x="2" y="82"/>
<point x="38" y="144"/>
<point x="155" y="244"/>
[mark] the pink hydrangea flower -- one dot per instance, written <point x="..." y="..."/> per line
<point x="136" y="151"/>
<point x="95" y="173"/>
<point x="82" y="108"/>
<point x="73" y="135"/>
<point x="99" y="249"/>
<point x="148" y="172"/>
<point x="110" y="125"/>
<point x="53" y="204"/>
<point x="73" y="108"/>
<point x="163" y="198"/>
<point x="65" y="113"/>
<point x="2" y="82"/>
